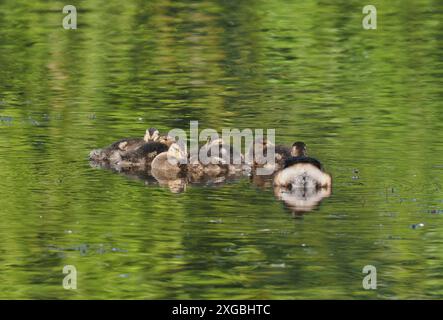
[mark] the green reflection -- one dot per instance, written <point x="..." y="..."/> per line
<point x="365" y="100"/>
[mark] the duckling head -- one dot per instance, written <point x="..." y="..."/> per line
<point x="299" y="149"/>
<point x="177" y="153"/>
<point x="167" y="140"/>
<point x="151" y="134"/>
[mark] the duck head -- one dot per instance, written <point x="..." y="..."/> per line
<point x="299" y="149"/>
<point x="167" y="140"/>
<point x="151" y="134"/>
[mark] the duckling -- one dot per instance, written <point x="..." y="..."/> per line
<point x="170" y="164"/>
<point x="282" y="153"/>
<point x="256" y="149"/>
<point x="225" y="150"/>
<point x="153" y="135"/>
<point x="258" y="152"/>
<point x="226" y="153"/>
<point x="114" y="152"/>
<point x="131" y="144"/>
<point x="141" y="157"/>
<point x="214" y="165"/>
<point x="299" y="154"/>
<point x="302" y="171"/>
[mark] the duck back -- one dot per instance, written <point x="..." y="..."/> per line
<point x="302" y="159"/>
<point x="128" y="144"/>
<point x="284" y="151"/>
<point x="146" y="153"/>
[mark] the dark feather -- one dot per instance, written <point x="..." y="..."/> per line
<point x="294" y="160"/>
<point x="147" y="151"/>
<point x="283" y="151"/>
<point x="130" y="141"/>
<point x="153" y="147"/>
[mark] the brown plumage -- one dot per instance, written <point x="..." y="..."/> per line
<point x="143" y="156"/>
<point x="114" y="153"/>
<point x="170" y="164"/>
<point x="258" y="154"/>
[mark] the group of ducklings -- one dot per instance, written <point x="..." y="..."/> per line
<point x="292" y="167"/>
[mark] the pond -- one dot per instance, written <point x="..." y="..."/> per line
<point x="368" y="103"/>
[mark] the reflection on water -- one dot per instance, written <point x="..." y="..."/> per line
<point x="175" y="183"/>
<point x="302" y="200"/>
<point x="367" y="102"/>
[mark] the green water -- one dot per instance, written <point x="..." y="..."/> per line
<point x="367" y="102"/>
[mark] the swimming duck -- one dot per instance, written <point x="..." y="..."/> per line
<point x="225" y="151"/>
<point x="114" y="152"/>
<point x="170" y="164"/>
<point x="141" y="157"/>
<point x="257" y="155"/>
<point x="301" y="171"/>
<point x="214" y="165"/>
<point x="132" y="144"/>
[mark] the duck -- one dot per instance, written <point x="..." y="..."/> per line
<point x="257" y="155"/>
<point x="131" y="144"/>
<point x="114" y="152"/>
<point x="301" y="171"/>
<point x="225" y="150"/>
<point x="142" y="157"/>
<point x="214" y="165"/>
<point x="170" y="164"/>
